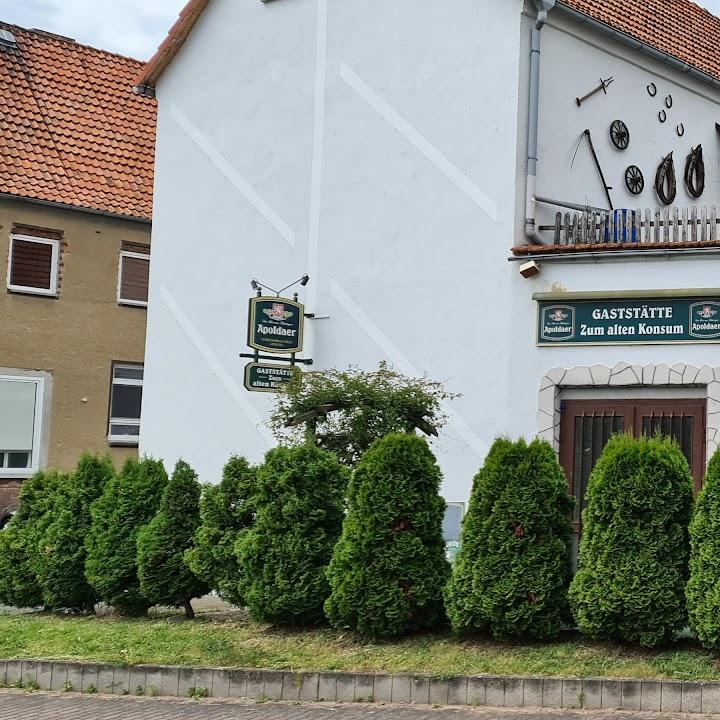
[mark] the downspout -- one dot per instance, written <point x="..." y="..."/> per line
<point x="543" y="8"/>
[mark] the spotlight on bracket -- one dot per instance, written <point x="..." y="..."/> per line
<point x="529" y="269"/>
<point x="304" y="280"/>
<point x="255" y="284"/>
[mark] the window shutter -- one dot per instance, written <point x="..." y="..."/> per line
<point x="134" y="278"/>
<point x="31" y="264"/>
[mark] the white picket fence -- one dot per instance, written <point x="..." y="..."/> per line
<point x="659" y="225"/>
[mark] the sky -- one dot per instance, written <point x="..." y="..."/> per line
<point x="129" y="27"/>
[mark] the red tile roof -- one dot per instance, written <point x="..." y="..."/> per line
<point x="71" y="129"/>
<point x="677" y="27"/>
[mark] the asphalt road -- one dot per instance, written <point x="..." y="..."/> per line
<point x="49" y="706"/>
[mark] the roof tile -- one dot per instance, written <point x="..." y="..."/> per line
<point x="69" y="123"/>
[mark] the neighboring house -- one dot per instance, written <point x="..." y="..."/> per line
<point x="76" y="174"/>
<point x="395" y="151"/>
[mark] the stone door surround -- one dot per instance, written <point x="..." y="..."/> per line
<point x="623" y="375"/>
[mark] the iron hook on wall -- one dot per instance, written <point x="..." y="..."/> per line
<point x="668" y="102"/>
<point x="662" y="116"/>
<point x="680" y="129"/>
<point x="652" y="89"/>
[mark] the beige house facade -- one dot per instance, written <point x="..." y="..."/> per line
<point x="75" y="205"/>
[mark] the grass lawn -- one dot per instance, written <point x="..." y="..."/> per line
<point x="229" y="639"/>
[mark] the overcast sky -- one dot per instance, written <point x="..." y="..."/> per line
<point x="129" y="27"/>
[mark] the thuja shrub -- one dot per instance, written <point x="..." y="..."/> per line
<point x="511" y="575"/>
<point x="19" y="541"/>
<point x="225" y="511"/>
<point x="634" y="549"/>
<point x="61" y="554"/>
<point x="283" y="557"/>
<point x="388" y="569"/>
<point x="703" y="589"/>
<point x="165" y="579"/>
<point x="129" y="501"/>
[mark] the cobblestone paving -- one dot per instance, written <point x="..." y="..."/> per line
<point x="47" y="706"/>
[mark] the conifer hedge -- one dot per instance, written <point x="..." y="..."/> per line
<point x="634" y="549"/>
<point x="20" y="539"/>
<point x="226" y="510"/>
<point x="284" y="555"/>
<point x="129" y="501"/>
<point x="703" y="589"/>
<point x="511" y="575"/>
<point x="60" y="560"/>
<point x="164" y="577"/>
<point x="389" y="568"/>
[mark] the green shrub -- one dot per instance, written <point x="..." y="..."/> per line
<point x="634" y="549"/>
<point x="60" y="559"/>
<point x="161" y="544"/>
<point x="512" y="574"/>
<point x="129" y="501"/>
<point x="225" y="511"/>
<point x="388" y="570"/>
<point x="284" y="555"/>
<point x="703" y="589"/>
<point x="19" y="586"/>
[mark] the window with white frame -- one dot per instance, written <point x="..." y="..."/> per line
<point x="33" y="264"/>
<point x="21" y="405"/>
<point x="451" y="528"/>
<point x="125" y="404"/>
<point x="133" y="276"/>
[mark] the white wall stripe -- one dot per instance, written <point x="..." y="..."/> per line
<point x="240" y="184"/>
<point x="401" y="362"/>
<point x="421" y="143"/>
<point x="238" y="393"/>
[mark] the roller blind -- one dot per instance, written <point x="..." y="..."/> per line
<point x="17" y="414"/>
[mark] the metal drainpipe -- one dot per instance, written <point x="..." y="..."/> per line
<point x="543" y="8"/>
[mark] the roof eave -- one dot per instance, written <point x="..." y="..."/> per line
<point x="179" y="32"/>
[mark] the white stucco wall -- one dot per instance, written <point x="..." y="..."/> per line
<point x="370" y="144"/>
<point x="380" y="147"/>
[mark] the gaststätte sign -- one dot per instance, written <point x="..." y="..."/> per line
<point x="261" y="377"/>
<point x="639" y="321"/>
<point x="276" y="325"/>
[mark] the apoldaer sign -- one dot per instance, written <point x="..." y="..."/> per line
<point x="276" y="325"/>
<point x="652" y="320"/>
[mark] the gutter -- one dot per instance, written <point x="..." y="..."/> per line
<point x="601" y="256"/>
<point x="75" y="208"/>
<point x="543" y="8"/>
<point x="638" y="45"/>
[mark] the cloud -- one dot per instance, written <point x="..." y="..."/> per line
<point x="128" y="27"/>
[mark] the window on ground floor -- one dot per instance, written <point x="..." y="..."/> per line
<point x="125" y="403"/>
<point x="587" y="425"/>
<point x="21" y="404"/>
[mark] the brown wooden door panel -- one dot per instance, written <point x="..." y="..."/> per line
<point x="587" y="425"/>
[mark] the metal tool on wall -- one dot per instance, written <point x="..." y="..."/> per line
<point x="665" y="181"/>
<point x="608" y="188"/>
<point x="604" y="84"/>
<point x="695" y="172"/>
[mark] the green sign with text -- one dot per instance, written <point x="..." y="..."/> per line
<point x="260" y="377"/>
<point x="276" y="325"/>
<point x="652" y="320"/>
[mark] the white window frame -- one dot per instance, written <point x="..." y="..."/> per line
<point x="123" y="440"/>
<point x="127" y="254"/>
<point x="54" y="265"/>
<point x="37" y="428"/>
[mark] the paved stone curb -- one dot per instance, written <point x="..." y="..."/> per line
<point x="512" y="692"/>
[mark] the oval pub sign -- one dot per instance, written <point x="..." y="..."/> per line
<point x="276" y="325"/>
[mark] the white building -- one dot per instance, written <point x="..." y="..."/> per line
<point x="382" y="147"/>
